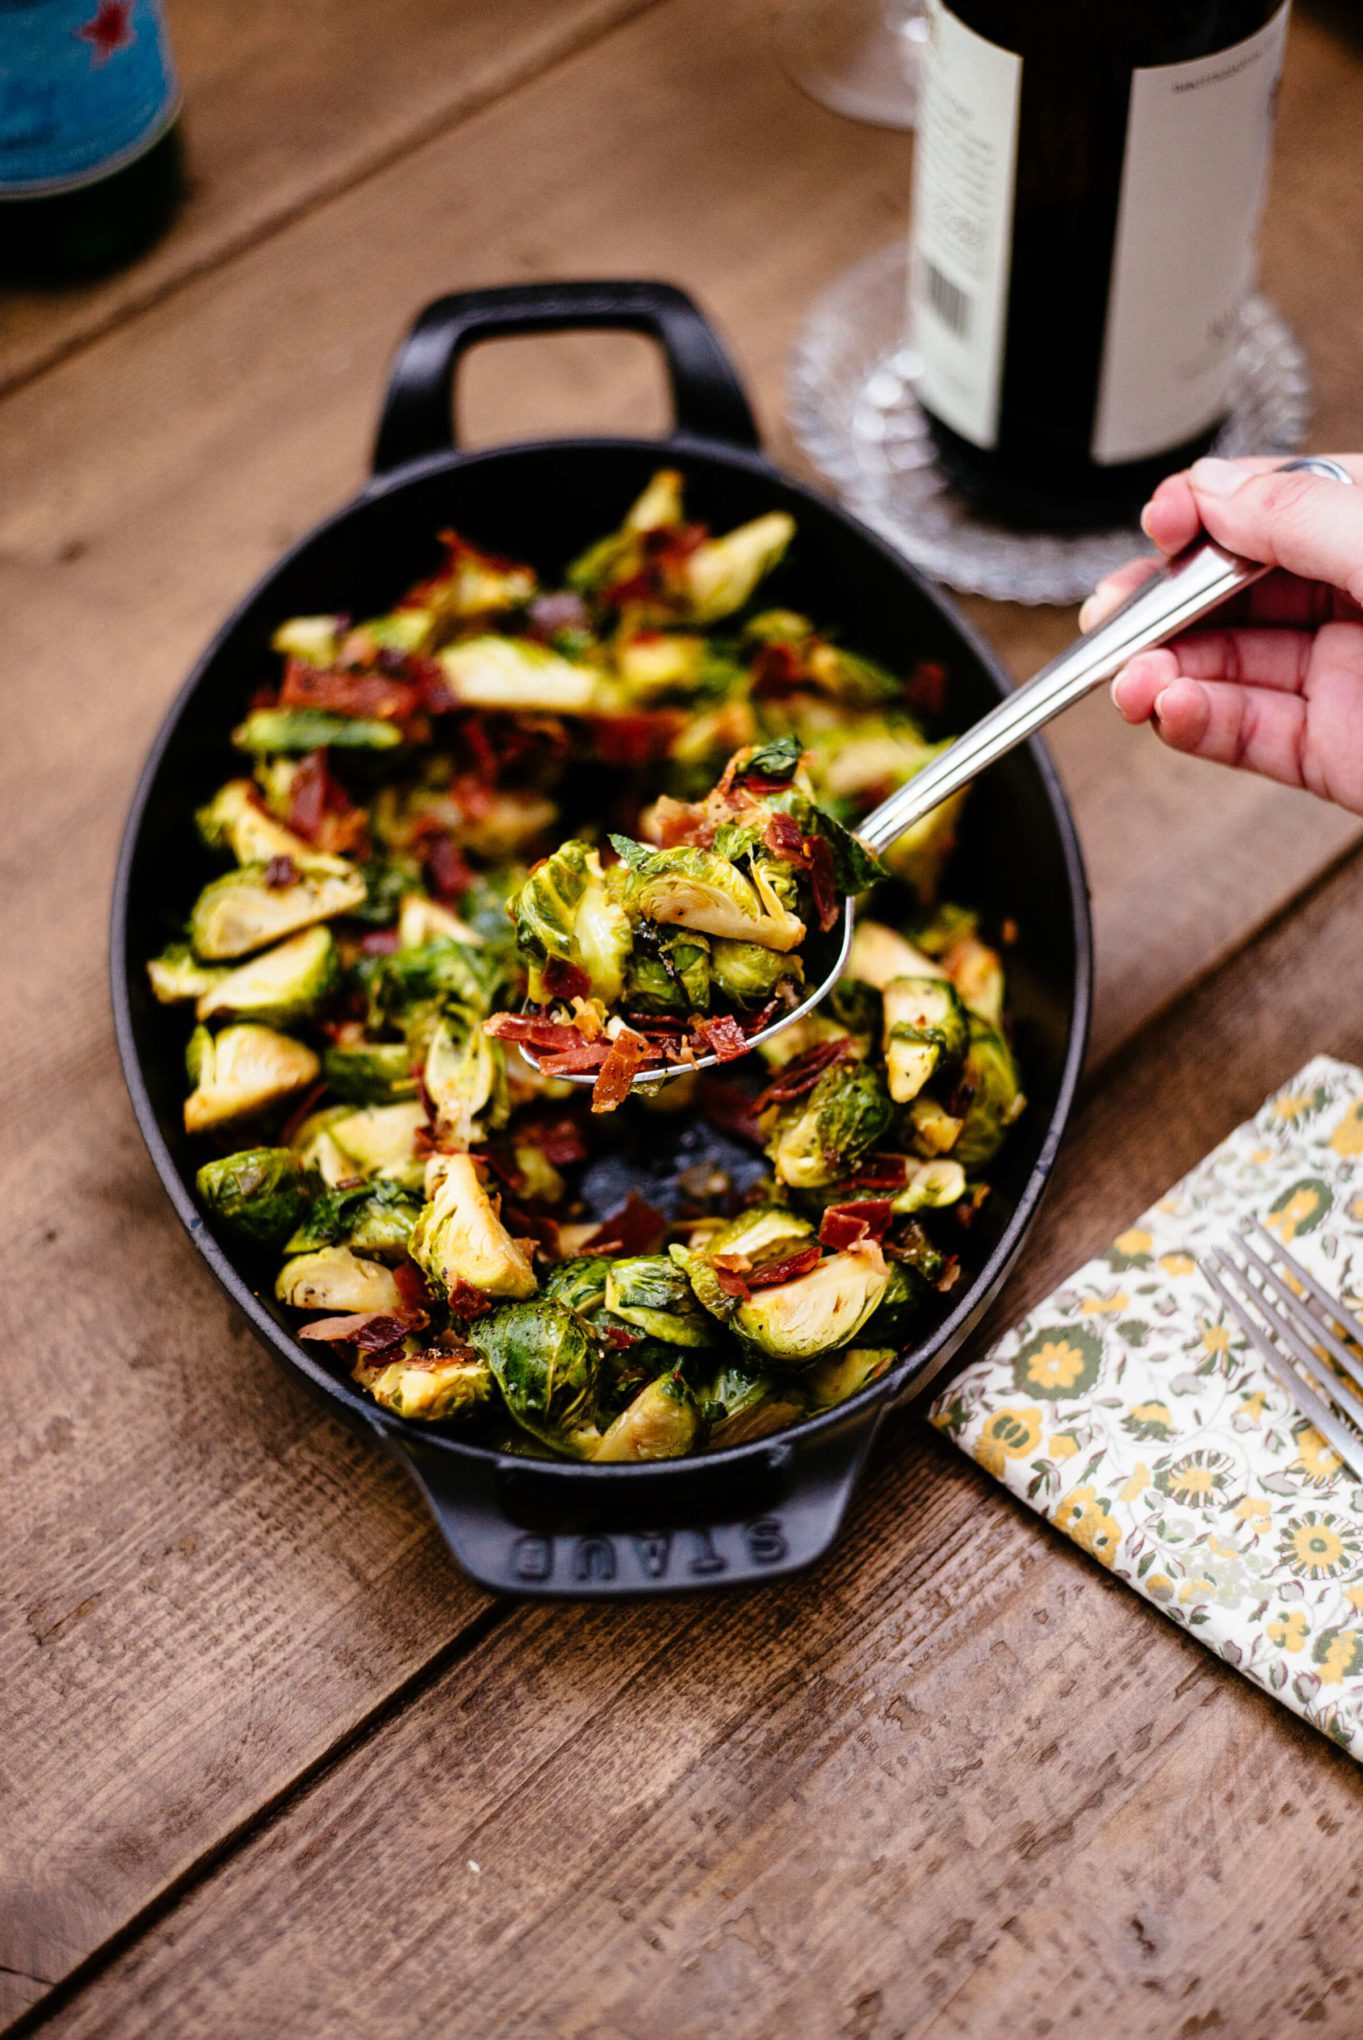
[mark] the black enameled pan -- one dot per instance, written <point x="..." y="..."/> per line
<point x="754" y="1511"/>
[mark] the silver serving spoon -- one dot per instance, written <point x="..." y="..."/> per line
<point x="1197" y="580"/>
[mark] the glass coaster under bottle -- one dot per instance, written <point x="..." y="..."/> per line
<point x="853" y="412"/>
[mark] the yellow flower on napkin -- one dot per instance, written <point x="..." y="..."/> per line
<point x="1339" y="1653"/>
<point x="1289" y="1631"/>
<point x="1082" y="1517"/>
<point x="1009" y="1434"/>
<point x="1317" y="1460"/>
<point x="1318" y="1547"/>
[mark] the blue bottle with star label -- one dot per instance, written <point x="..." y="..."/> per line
<point x="91" y="162"/>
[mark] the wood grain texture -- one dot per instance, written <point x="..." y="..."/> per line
<point x="956" y="1782"/>
<point x="213" y="1588"/>
<point x="287" y="105"/>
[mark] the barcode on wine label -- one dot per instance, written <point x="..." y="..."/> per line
<point x="947" y="299"/>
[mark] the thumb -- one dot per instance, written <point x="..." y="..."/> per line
<point x="1307" y="524"/>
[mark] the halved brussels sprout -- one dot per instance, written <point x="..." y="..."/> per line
<point x="261" y="1193"/>
<point x="976" y="970"/>
<point x="373" y="1218"/>
<point x="719" y="576"/>
<point x="279" y="986"/>
<point x="421" y="921"/>
<point x="432" y="1386"/>
<point x="661" y="1422"/>
<point x="879" y="953"/>
<point x="759" y="1231"/>
<point x="240" y="1071"/>
<point x="546" y="1366"/>
<point x="434" y="974"/>
<point x="381" y="1140"/>
<point x="568" y="910"/>
<point x="822" y="1137"/>
<point x="236" y="820"/>
<point x="579" y="1284"/>
<point x="619" y="555"/>
<point x="242" y="912"/>
<point x="650" y="1291"/>
<point x="748" y="975"/>
<point x="334" y="1279"/>
<point x="926" y="1033"/>
<point x="370" y="1072"/>
<point x="871" y="755"/>
<point x="313" y="729"/>
<point x="518" y="674"/>
<point x="989" y="1081"/>
<point x="657" y="662"/>
<point x="741" y="1402"/>
<point x="931" y="1186"/>
<point x="506" y="822"/>
<point x="919" y="856"/>
<point x="831" y="1380"/>
<point x="465" y="1078"/>
<point x="797" y="1321"/>
<point x="473" y="583"/>
<point x="314" y="639"/>
<point x="459" y="1237"/>
<point x="317" y="1151"/>
<point x="669" y="971"/>
<point x="931" y="1129"/>
<point x="690" y="888"/>
<point x="176" y="974"/>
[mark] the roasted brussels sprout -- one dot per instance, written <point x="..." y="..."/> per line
<point x="929" y="1127"/>
<point x="460" y="1240"/>
<point x="176" y="974"/>
<point x="926" y="1033"/>
<point x="518" y="674"/>
<point x="691" y="888"/>
<point x="434" y="1386"/>
<point x="796" y="1321"/>
<point x="919" y="856"/>
<point x="991" y="1094"/>
<point x="240" y="1071"/>
<point x="546" y="1366"/>
<point x="261" y="1193"/>
<point x="370" y="1072"/>
<point x="372" y="1218"/>
<point x="831" y="1380"/>
<point x="380" y="1140"/>
<point x="278" y="987"/>
<point x="579" y="1284"/>
<point x="313" y="729"/>
<point x="244" y="910"/>
<point x="879" y="953"/>
<point x="822" y="1137"/>
<point x="465" y="1078"/>
<point x="748" y="975"/>
<point x="661" y="1422"/>
<point x="335" y="1279"/>
<point x="236" y="820"/>
<point x="313" y="639"/>
<point x="568" y="912"/>
<point x="669" y="971"/>
<point x="650" y="1291"/>
<point x="619" y="556"/>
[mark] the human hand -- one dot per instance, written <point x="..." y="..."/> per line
<point x="1275" y="685"/>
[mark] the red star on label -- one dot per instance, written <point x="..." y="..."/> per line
<point x="109" y="30"/>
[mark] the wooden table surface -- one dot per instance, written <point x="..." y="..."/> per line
<point x="270" y="1765"/>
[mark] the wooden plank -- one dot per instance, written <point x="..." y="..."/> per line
<point x="144" y="483"/>
<point x="285" y="106"/>
<point x="958" y="1782"/>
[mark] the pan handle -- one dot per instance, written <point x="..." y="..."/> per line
<point x="418" y="411"/>
<point x="527" y="1528"/>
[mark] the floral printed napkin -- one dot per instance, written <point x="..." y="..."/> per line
<point x="1129" y="1410"/>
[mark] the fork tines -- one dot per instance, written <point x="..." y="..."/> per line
<point x="1287" y="1321"/>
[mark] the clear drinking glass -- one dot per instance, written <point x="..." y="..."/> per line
<point x="858" y="57"/>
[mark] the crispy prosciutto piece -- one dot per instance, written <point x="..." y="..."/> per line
<point x="722" y="1037"/>
<point x="564" y="980"/>
<point x="447" y="870"/>
<point x="371" y="1331"/>
<point x="638" y="739"/>
<point x="623" y="1057"/>
<point x="320" y="809"/>
<point x="882" y="1172"/>
<point x="847" y="1225"/>
<point x="560" y="1141"/>
<point x="382" y="695"/>
<point x="467" y="1302"/>
<point x="550" y="1037"/>
<point x="738" y="1276"/>
<point x="636" y="1228"/>
<point x="802" y="1073"/>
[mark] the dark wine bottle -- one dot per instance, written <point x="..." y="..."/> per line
<point x="1087" y="191"/>
<point x="91" y="168"/>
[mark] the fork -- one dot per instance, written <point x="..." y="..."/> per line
<point x="1289" y="1323"/>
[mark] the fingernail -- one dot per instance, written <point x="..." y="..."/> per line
<point x="1087" y="612"/>
<point x="1145" y="523"/>
<point x="1216" y="477"/>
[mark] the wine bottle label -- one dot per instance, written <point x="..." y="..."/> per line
<point x="963" y="213"/>
<point x="1193" y="176"/>
<point x="85" y="86"/>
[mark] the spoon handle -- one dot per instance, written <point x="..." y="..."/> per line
<point x="1174" y="597"/>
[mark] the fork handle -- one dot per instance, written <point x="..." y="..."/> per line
<point x="1195" y="581"/>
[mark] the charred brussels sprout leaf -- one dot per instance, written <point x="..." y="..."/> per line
<point x="261" y="1193"/>
<point x="822" y="1137"/>
<point x="579" y="1284"/>
<point x="546" y="1367"/>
